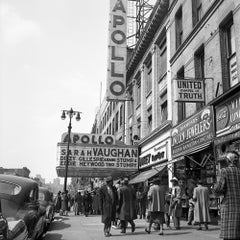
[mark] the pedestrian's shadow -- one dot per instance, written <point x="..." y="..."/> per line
<point x="55" y="236"/>
<point x="58" y="225"/>
<point x="175" y="233"/>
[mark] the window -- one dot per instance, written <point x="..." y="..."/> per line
<point x="139" y="127"/>
<point x="121" y="116"/>
<point x="149" y="120"/>
<point x="196" y="11"/>
<point x="9" y="188"/>
<point x="162" y="66"/>
<point x="139" y="90"/>
<point x="228" y="53"/>
<point x="179" y="28"/>
<point x="113" y="125"/>
<point x="116" y="121"/>
<point x="149" y="75"/>
<point x="163" y="107"/>
<point x="199" y="69"/>
<point x="181" y="105"/>
<point x="110" y="129"/>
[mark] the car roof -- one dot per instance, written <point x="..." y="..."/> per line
<point x="21" y="181"/>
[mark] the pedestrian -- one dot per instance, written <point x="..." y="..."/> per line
<point x="201" y="206"/>
<point x="127" y="206"/>
<point x="58" y="202"/>
<point x="64" y="203"/>
<point x="167" y="206"/>
<point x="175" y="203"/>
<point x="78" y="203"/>
<point x="189" y="193"/>
<point x="228" y="185"/>
<point x="156" y="197"/>
<point x="108" y="203"/>
<point x="96" y="201"/>
<point x="86" y="203"/>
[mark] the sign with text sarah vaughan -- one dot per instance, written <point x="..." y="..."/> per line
<point x="97" y="160"/>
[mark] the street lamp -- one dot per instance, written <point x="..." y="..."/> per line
<point x="70" y="113"/>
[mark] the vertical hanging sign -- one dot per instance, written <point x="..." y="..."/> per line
<point x="117" y="50"/>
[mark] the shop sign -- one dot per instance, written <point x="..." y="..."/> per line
<point x="193" y="133"/>
<point x="228" y="116"/>
<point x="116" y="78"/>
<point x="189" y="90"/>
<point x="85" y="138"/>
<point x="97" y="158"/>
<point x="153" y="156"/>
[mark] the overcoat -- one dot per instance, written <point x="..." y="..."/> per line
<point x="201" y="204"/>
<point x="229" y="186"/>
<point x="108" y="204"/>
<point x="175" y="208"/>
<point x="127" y="203"/>
<point x="156" y="196"/>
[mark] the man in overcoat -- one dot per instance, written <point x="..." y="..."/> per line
<point x="175" y="209"/>
<point x="228" y="185"/>
<point x="127" y="205"/>
<point x="201" y="208"/>
<point x="108" y="203"/>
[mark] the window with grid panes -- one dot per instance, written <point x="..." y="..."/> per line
<point x="197" y="11"/>
<point x="228" y="53"/>
<point x="199" y="69"/>
<point x="148" y="66"/>
<point x="179" y="28"/>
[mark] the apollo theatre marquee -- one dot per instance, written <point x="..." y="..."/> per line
<point x="94" y="155"/>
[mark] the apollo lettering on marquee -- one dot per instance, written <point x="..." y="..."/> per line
<point x="117" y="50"/>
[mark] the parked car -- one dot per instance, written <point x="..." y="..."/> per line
<point x="19" y="204"/>
<point x="46" y="201"/>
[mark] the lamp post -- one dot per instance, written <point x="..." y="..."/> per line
<point x="70" y="113"/>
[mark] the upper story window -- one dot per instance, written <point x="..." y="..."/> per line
<point x="199" y="69"/>
<point x="148" y="66"/>
<point x="179" y="28"/>
<point x="121" y="116"/>
<point x="181" y="105"/>
<point x="162" y="66"/>
<point x="139" y="127"/>
<point x="163" y="107"/>
<point x="138" y="90"/>
<point x="228" y="53"/>
<point x="116" y="121"/>
<point x="149" y="120"/>
<point x="197" y="11"/>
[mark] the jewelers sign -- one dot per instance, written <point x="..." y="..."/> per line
<point x="96" y="160"/>
<point x="187" y="90"/>
<point x="193" y="134"/>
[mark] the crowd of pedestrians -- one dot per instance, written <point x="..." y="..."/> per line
<point x="120" y="204"/>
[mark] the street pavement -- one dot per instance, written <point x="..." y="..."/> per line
<point x="90" y="228"/>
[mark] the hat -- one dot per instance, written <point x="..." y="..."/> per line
<point x="174" y="179"/>
<point x="109" y="179"/>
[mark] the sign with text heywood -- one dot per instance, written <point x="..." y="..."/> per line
<point x="86" y="157"/>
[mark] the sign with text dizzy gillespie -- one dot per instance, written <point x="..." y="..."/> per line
<point x="193" y="133"/>
<point x="187" y="90"/>
<point x="117" y="50"/>
<point x="88" y="158"/>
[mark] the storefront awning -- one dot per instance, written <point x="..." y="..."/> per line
<point x="144" y="176"/>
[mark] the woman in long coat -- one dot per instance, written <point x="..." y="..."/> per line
<point x="127" y="206"/>
<point x="156" y="197"/>
<point x="201" y="205"/>
<point x="228" y="185"/>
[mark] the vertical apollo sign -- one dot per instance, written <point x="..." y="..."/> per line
<point x="117" y="50"/>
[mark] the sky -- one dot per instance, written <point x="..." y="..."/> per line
<point x="53" y="57"/>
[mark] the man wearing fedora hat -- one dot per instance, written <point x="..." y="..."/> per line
<point x="108" y="203"/>
<point x="175" y="209"/>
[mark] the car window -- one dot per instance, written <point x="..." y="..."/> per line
<point x="41" y="196"/>
<point x="33" y="195"/>
<point x="9" y="188"/>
